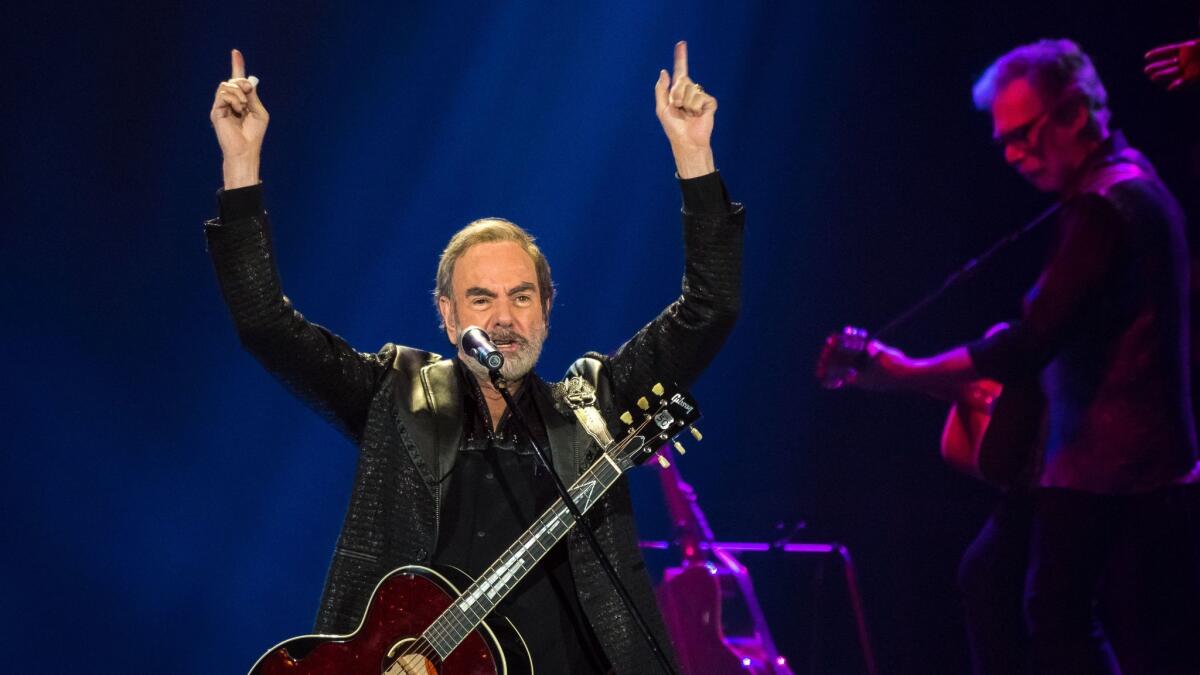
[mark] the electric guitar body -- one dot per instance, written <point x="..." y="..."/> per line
<point x="404" y="604"/>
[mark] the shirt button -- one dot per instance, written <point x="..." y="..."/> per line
<point x="489" y="475"/>
<point x="481" y="534"/>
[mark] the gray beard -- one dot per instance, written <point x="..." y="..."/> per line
<point x="516" y="365"/>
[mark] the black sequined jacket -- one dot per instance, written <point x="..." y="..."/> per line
<point x="401" y="407"/>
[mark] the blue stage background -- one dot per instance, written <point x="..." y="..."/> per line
<point x="169" y="508"/>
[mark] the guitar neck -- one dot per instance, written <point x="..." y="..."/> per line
<point x="462" y="617"/>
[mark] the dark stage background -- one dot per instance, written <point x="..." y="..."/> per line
<point x="168" y="508"/>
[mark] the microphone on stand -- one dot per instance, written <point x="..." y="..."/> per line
<point x="476" y="344"/>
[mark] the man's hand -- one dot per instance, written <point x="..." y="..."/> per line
<point x="241" y="122"/>
<point x="851" y="358"/>
<point x="686" y="112"/>
<point x="1175" y="66"/>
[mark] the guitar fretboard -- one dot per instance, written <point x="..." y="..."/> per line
<point x="462" y="617"/>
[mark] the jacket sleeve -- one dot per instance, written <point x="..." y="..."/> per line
<point x="318" y="367"/>
<point x="681" y="341"/>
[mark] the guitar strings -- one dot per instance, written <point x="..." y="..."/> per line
<point x="426" y="649"/>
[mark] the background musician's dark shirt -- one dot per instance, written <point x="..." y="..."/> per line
<point x="1106" y="326"/>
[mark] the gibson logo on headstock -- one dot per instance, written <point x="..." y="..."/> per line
<point x="677" y="399"/>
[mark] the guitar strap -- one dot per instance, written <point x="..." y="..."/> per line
<point x="580" y="397"/>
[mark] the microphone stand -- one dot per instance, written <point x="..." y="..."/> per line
<point x="501" y="385"/>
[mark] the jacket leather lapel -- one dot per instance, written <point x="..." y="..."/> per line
<point x="441" y="385"/>
<point x="567" y="439"/>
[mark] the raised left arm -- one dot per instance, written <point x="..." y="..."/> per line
<point x="681" y="341"/>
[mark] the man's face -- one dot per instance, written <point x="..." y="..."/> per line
<point x="1043" y="151"/>
<point x="495" y="287"/>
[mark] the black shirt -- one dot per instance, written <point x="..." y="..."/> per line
<point x="495" y="491"/>
<point x="1105" y="328"/>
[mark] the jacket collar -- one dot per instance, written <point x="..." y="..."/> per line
<point x="443" y="399"/>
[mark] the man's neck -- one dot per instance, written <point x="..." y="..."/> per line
<point x="493" y="398"/>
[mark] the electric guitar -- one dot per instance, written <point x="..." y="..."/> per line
<point x="1004" y="424"/>
<point x="422" y="621"/>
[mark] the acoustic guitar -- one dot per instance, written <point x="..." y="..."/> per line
<point x="994" y="432"/>
<point x="422" y="621"/>
<point x="708" y="602"/>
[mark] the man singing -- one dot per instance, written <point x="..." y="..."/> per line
<point x="445" y="475"/>
<point x="1105" y="329"/>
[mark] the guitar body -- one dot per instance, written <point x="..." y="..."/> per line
<point x="1001" y="443"/>
<point x="708" y="602"/>
<point x="692" y="599"/>
<point x="418" y="622"/>
<point x="997" y="437"/>
<point x="1011" y="447"/>
<point x="403" y="605"/>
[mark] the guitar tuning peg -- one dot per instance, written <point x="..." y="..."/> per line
<point x="657" y="389"/>
<point x="679" y="448"/>
<point x="643" y="403"/>
<point x="662" y="461"/>
<point x="696" y="433"/>
<point x="626" y="417"/>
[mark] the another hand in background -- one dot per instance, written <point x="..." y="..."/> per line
<point x="1174" y="66"/>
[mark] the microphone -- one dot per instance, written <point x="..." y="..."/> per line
<point x="476" y="344"/>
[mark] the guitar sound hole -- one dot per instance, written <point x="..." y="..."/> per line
<point x="407" y="657"/>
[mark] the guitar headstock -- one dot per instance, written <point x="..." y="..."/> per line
<point x="660" y="416"/>
<point x="842" y="354"/>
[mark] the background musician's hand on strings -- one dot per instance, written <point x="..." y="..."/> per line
<point x="240" y="120"/>
<point x="1175" y="66"/>
<point x="686" y="112"/>
<point x="850" y="358"/>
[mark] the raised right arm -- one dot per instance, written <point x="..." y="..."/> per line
<point x="316" y="365"/>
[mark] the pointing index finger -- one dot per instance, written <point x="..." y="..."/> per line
<point x="681" y="69"/>
<point x="238" y="64"/>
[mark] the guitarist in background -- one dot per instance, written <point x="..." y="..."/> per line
<point x="444" y="476"/>
<point x="1105" y="332"/>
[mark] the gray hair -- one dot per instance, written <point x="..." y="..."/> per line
<point x="1058" y="70"/>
